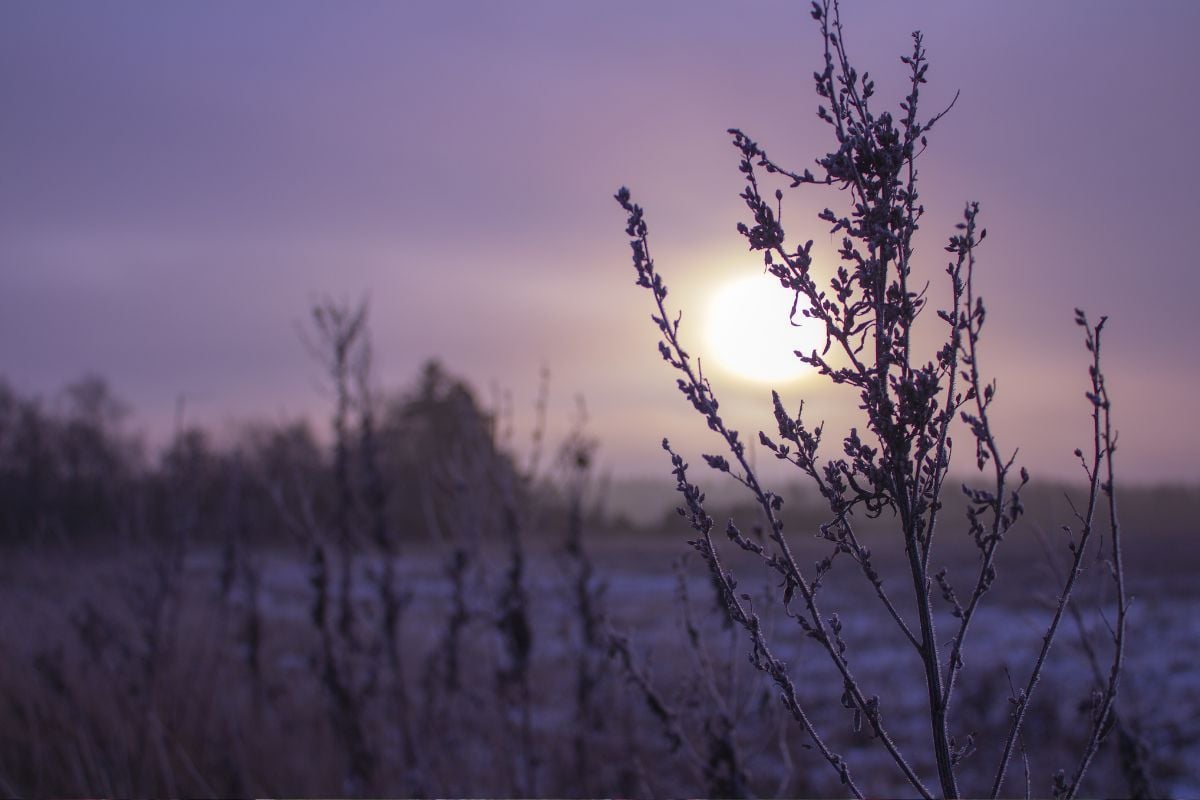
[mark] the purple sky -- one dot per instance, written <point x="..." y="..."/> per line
<point x="179" y="181"/>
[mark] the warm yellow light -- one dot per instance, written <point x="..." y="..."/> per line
<point x="750" y="335"/>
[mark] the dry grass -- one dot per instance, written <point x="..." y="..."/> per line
<point x="83" y="713"/>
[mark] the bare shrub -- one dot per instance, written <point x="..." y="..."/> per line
<point x="897" y="466"/>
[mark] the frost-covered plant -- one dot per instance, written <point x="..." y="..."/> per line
<point x="898" y="464"/>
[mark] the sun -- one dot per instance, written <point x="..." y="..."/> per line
<point x="748" y="332"/>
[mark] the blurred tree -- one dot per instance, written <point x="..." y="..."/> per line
<point x="439" y="447"/>
<point x="69" y="471"/>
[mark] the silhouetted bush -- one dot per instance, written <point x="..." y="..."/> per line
<point x="895" y="468"/>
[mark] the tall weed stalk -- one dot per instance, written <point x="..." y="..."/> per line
<point x="898" y="465"/>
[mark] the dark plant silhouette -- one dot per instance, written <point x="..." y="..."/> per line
<point x="897" y="466"/>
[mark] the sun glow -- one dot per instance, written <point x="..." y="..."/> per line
<point x="749" y="333"/>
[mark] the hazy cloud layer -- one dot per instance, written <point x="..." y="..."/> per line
<point x="178" y="182"/>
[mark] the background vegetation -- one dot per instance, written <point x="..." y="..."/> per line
<point x="161" y="637"/>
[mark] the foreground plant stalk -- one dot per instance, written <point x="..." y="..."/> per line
<point x="899" y="464"/>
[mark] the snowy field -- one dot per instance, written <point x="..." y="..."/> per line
<point x="75" y="631"/>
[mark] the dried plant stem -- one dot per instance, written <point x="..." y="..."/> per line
<point x="901" y="463"/>
<point x="1104" y="714"/>
<point x="1103" y="445"/>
